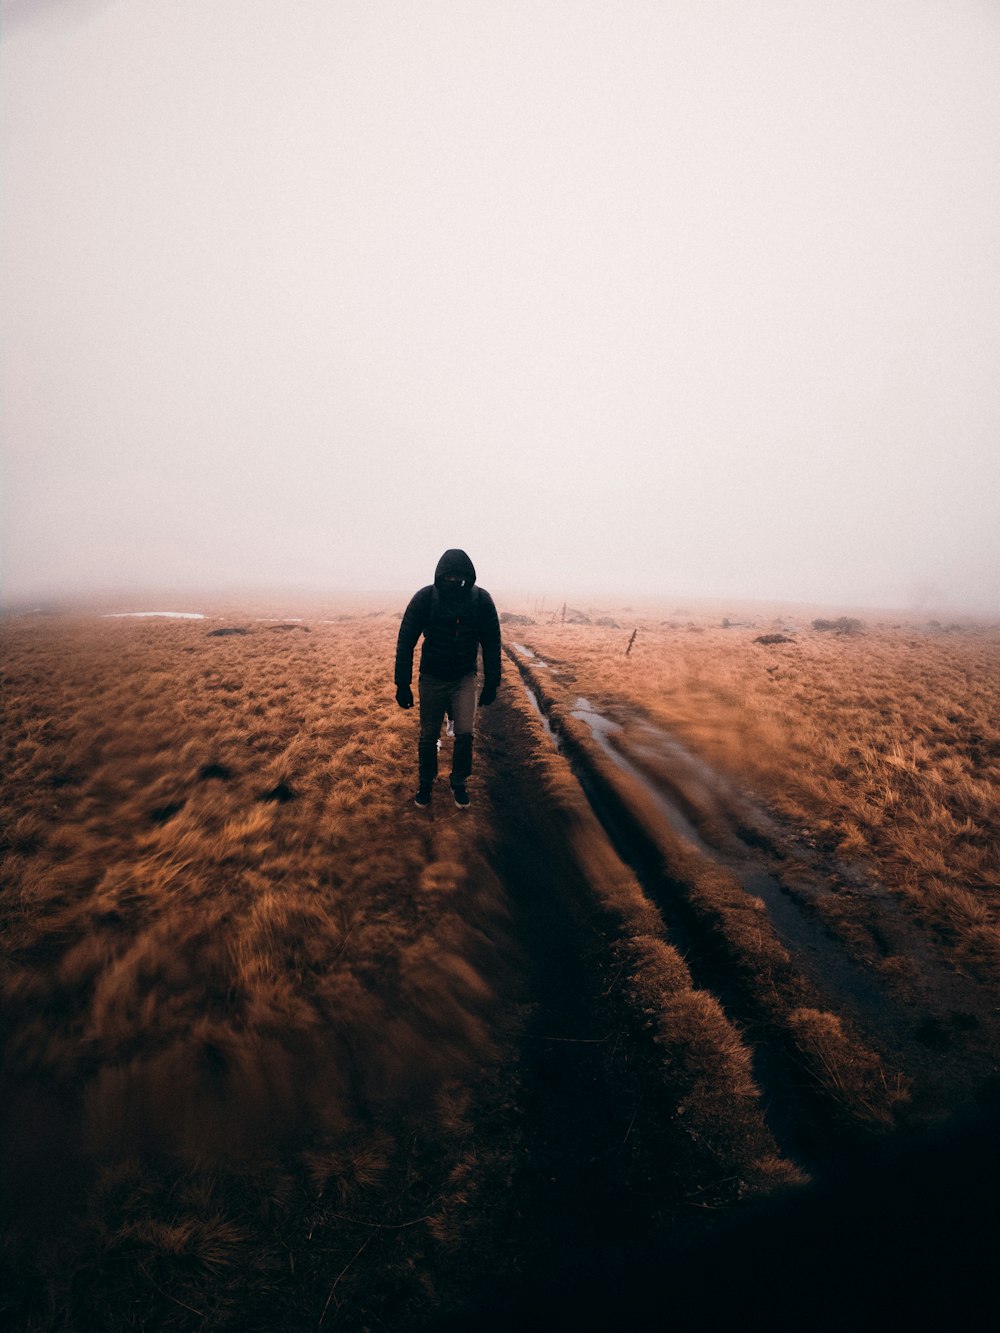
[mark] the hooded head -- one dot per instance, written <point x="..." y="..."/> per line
<point x="452" y="566"/>
<point x="454" y="578"/>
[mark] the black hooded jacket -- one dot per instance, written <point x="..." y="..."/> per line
<point x="454" y="622"/>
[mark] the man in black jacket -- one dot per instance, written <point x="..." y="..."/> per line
<point x="455" y="617"/>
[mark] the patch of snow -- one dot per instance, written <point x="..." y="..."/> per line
<point x="170" y="615"/>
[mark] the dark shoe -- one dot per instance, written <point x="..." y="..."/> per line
<point x="461" y="797"/>
<point x="423" y="798"/>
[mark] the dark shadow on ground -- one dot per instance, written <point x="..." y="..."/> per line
<point x="907" y="1237"/>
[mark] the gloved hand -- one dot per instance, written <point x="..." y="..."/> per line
<point x="488" y="695"/>
<point x="404" y="696"/>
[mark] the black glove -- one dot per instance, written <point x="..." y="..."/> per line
<point x="488" y="695"/>
<point x="404" y="696"/>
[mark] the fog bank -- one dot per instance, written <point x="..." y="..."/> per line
<point x="643" y="300"/>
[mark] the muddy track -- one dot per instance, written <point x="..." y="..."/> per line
<point x="640" y="1162"/>
<point x="673" y="819"/>
<point x="620" y="1142"/>
<point x="825" y="1091"/>
<point x="601" y="1148"/>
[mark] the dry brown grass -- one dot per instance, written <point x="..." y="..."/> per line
<point x="238" y="988"/>
<point x="882" y="746"/>
<point x="258" y="1010"/>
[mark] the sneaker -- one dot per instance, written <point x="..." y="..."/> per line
<point x="423" y="798"/>
<point x="461" y="797"/>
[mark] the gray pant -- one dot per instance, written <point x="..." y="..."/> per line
<point x="458" y="697"/>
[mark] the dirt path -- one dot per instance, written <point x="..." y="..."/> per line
<point x="628" y="1188"/>
<point x="604" y="1161"/>
<point x="851" y="941"/>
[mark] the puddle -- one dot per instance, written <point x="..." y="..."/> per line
<point x="546" y="725"/>
<point x="539" y="663"/>
<point x="602" y="729"/>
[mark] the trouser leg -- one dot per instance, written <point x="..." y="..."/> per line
<point x="461" y="760"/>
<point x="427" y="762"/>
<point x="433" y="702"/>
<point x="463" y="710"/>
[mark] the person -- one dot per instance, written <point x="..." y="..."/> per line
<point x="455" y="617"/>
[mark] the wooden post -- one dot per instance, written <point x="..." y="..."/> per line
<point x="631" y="641"/>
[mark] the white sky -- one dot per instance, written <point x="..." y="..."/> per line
<point x="680" y="297"/>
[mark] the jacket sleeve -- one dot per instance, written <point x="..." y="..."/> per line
<point x="410" y="629"/>
<point x="489" y="637"/>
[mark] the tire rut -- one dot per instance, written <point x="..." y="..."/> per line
<point x="817" y="1111"/>
<point x="615" y="1211"/>
<point x="604" y="1149"/>
<point x="925" y="1017"/>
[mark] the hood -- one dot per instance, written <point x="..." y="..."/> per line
<point x="456" y="562"/>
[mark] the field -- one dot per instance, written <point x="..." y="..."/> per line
<point x="709" y="966"/>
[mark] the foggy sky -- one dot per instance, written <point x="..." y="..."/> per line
<point x="645" y="297"/>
